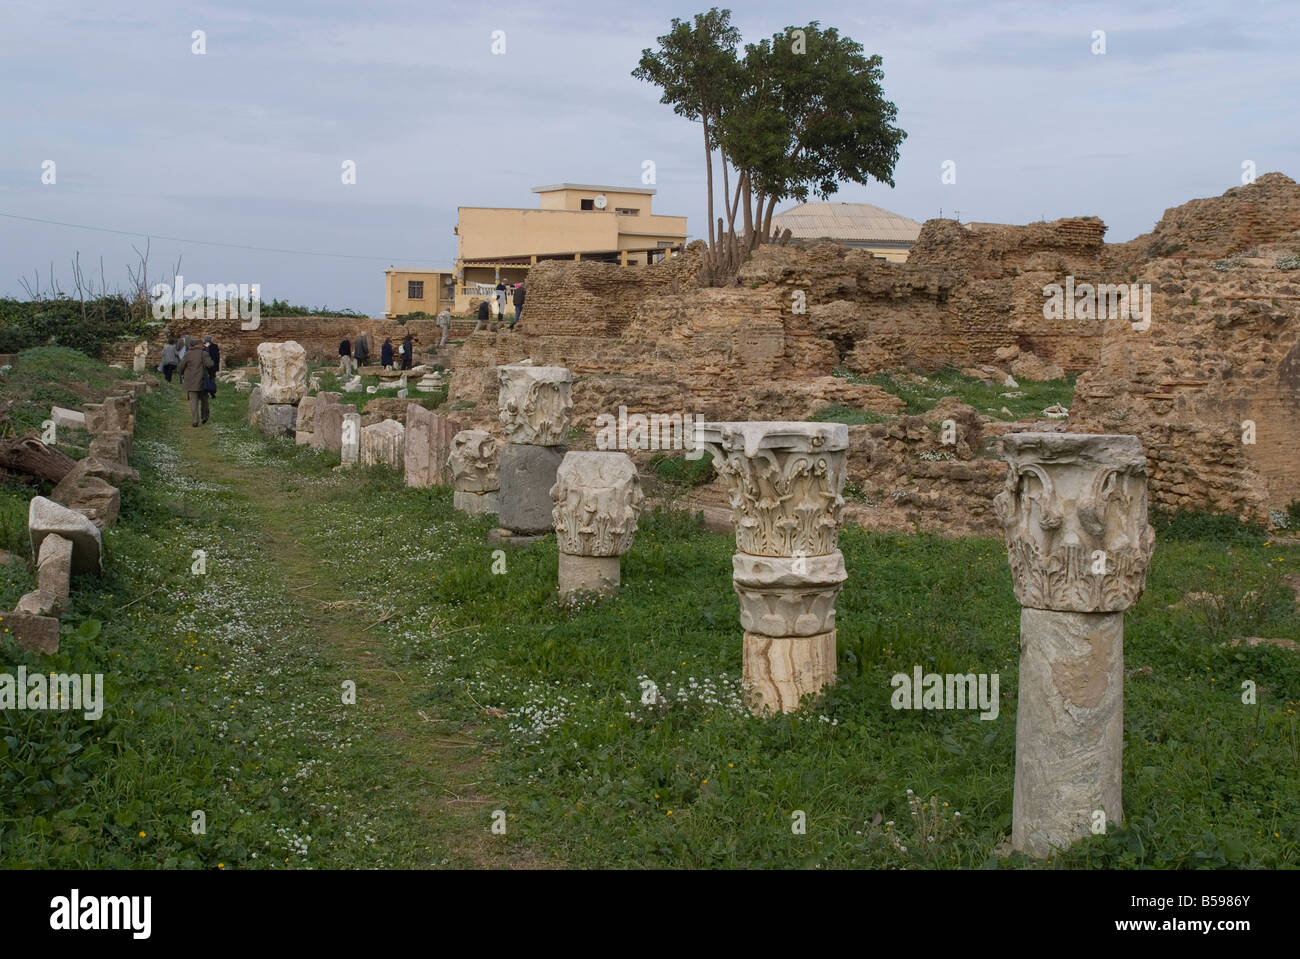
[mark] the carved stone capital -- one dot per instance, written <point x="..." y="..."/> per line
<point x="473" y="462"/>
<point x="1074" y="512"/>
<point x="283" y="368"/>
<point x="788" y="596"/>
<point x="597" y="499"/>
<point x="535" y="403"/>
<point x="785" y="481"/>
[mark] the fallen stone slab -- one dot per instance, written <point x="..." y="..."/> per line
<point x="255" y="404"/>
<point x="115" y="447"/>
<point x="67" y="419"/>
<point x="36" y="633"/>
<point x="39" y="602"/>
<point x="54" y="568"/>
<point x="110" y="471"/>
<point x="46" y="517"/>
<point x="95" y="498"/>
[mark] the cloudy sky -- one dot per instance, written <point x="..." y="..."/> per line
<point x="243" y="146"/>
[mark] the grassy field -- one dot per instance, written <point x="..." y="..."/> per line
<point x="476" y="692"/>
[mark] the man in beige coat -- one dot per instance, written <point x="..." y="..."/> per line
<point x="194" y="367"/>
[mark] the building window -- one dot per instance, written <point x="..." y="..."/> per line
<point x="627" y="211"/>
<point x="415" y="289"/>
<point x="588" y="204"/>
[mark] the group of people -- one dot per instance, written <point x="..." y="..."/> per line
<point x="197" y="364"/>
<point x="355" y="353"/>
<point x="495" y="307"/>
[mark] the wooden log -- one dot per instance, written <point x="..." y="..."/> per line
<point x="29" y="455"/>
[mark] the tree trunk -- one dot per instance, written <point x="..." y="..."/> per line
<point x="29" y="455"/>
<point x="708" y="170"/>
<point x="767" y="219"/>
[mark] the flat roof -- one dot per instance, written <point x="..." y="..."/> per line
<point x="589" y="186"/>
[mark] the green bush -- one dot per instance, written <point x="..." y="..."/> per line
<point x="60" y="322"/>
<point x="1198" y="525"/>
<point x="680" y="471"/>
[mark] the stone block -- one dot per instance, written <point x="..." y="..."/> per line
<point x="95" y="498"/>
<point x="110" y="471"/>
<point x="303" y="437"/>
<point x="255" y="404"/>
<point x="46" y="517"/>
<point x="306" y="413"/>
<point x="428" y="441"/>
<point x="54" y="568"/>
<point x="473" y="462"/>
<point x="382" y="443"/>
<point x="475" y="504"/>
<point x="778" y="672"/>
<point x="350" y="438"/>
<point x="277" y="419"/>
<point x="527" y="476"/>
<point x="113" y="447"/>
<point x="36" y="633"/>
<point x="596" y="500"/>
<point x="67" y="419"/>
<point x="283" y="368"/>
<point x="535" y="403"/>
<point x="788" y="596"/>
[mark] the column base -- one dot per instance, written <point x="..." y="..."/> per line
<point x="779" y="672"/>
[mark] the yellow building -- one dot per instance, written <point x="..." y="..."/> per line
<point x="571" y="222"/>
<point x="418" y="291"/>
<point x="858" y="225"/>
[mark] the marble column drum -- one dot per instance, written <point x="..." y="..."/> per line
<point x="1074" y="513"/>
<point x="474" y="468"/>
<point x="785" y="482"/>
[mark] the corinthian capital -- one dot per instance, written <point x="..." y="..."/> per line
<point x="785" y="481"/>
<point x="1074" y="511"/>
<point x="534" y="403"/>
<point x="473" y="462"/>
<point x="597" y="500"/>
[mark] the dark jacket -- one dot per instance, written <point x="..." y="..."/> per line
<point x="214" y="351"/>
<point x="362" y="349"/>
<point x="192" y="369"/>
<point x="484" y="311"/>
<point x="408" y="357"/>
<point x="345" y="348"/>
<point x="519" y="295"/>
<point x="386" y="353"/>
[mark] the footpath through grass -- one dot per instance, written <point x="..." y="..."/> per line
<point x="477" y="692"/>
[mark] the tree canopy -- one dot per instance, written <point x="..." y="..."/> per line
<point x="795" y="116"/>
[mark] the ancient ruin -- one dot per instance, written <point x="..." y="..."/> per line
<point x="597" y="499"/>
<point x="475" y="472"/>
<point x="534" y="404"/>
<point x="1074" y="510"/>
<point x="785" y="481"/>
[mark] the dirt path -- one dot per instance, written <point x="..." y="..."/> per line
<point x="439" y="772"/>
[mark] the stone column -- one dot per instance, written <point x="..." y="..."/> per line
<point x="1074" y="511"/>
<point x="597" y="499"/>
<point x="535" y="405"/>
<point x="283" y="371"/>
<point x="785" y="481"/>
<point x="474" y="472"/>
<point x="350" y="439"/>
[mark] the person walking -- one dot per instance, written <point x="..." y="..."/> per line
<point x="361" y="349"/>
<point x="345" y="358"/>
<point x="194" y="369"/>
<point x="386" y="354"/>
<point x="444" y="324"/>
<point x="170" y="359"/>
<point x="501" y="299"/>
<point x="214" y="351"/>
<point x="408" y="351"/>
<point x="519" y="302"/>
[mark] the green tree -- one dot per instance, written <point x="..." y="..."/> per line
<point x="798" y="115"/>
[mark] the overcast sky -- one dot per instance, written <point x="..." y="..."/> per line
<point x="244" y="145"/>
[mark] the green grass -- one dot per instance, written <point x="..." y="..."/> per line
<point x="48" y="376"/>
<point x="479" y="691"/>
<point x="839" y="413"/>
<point x="922" y="391"/>
<point x="678" y="470"/>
